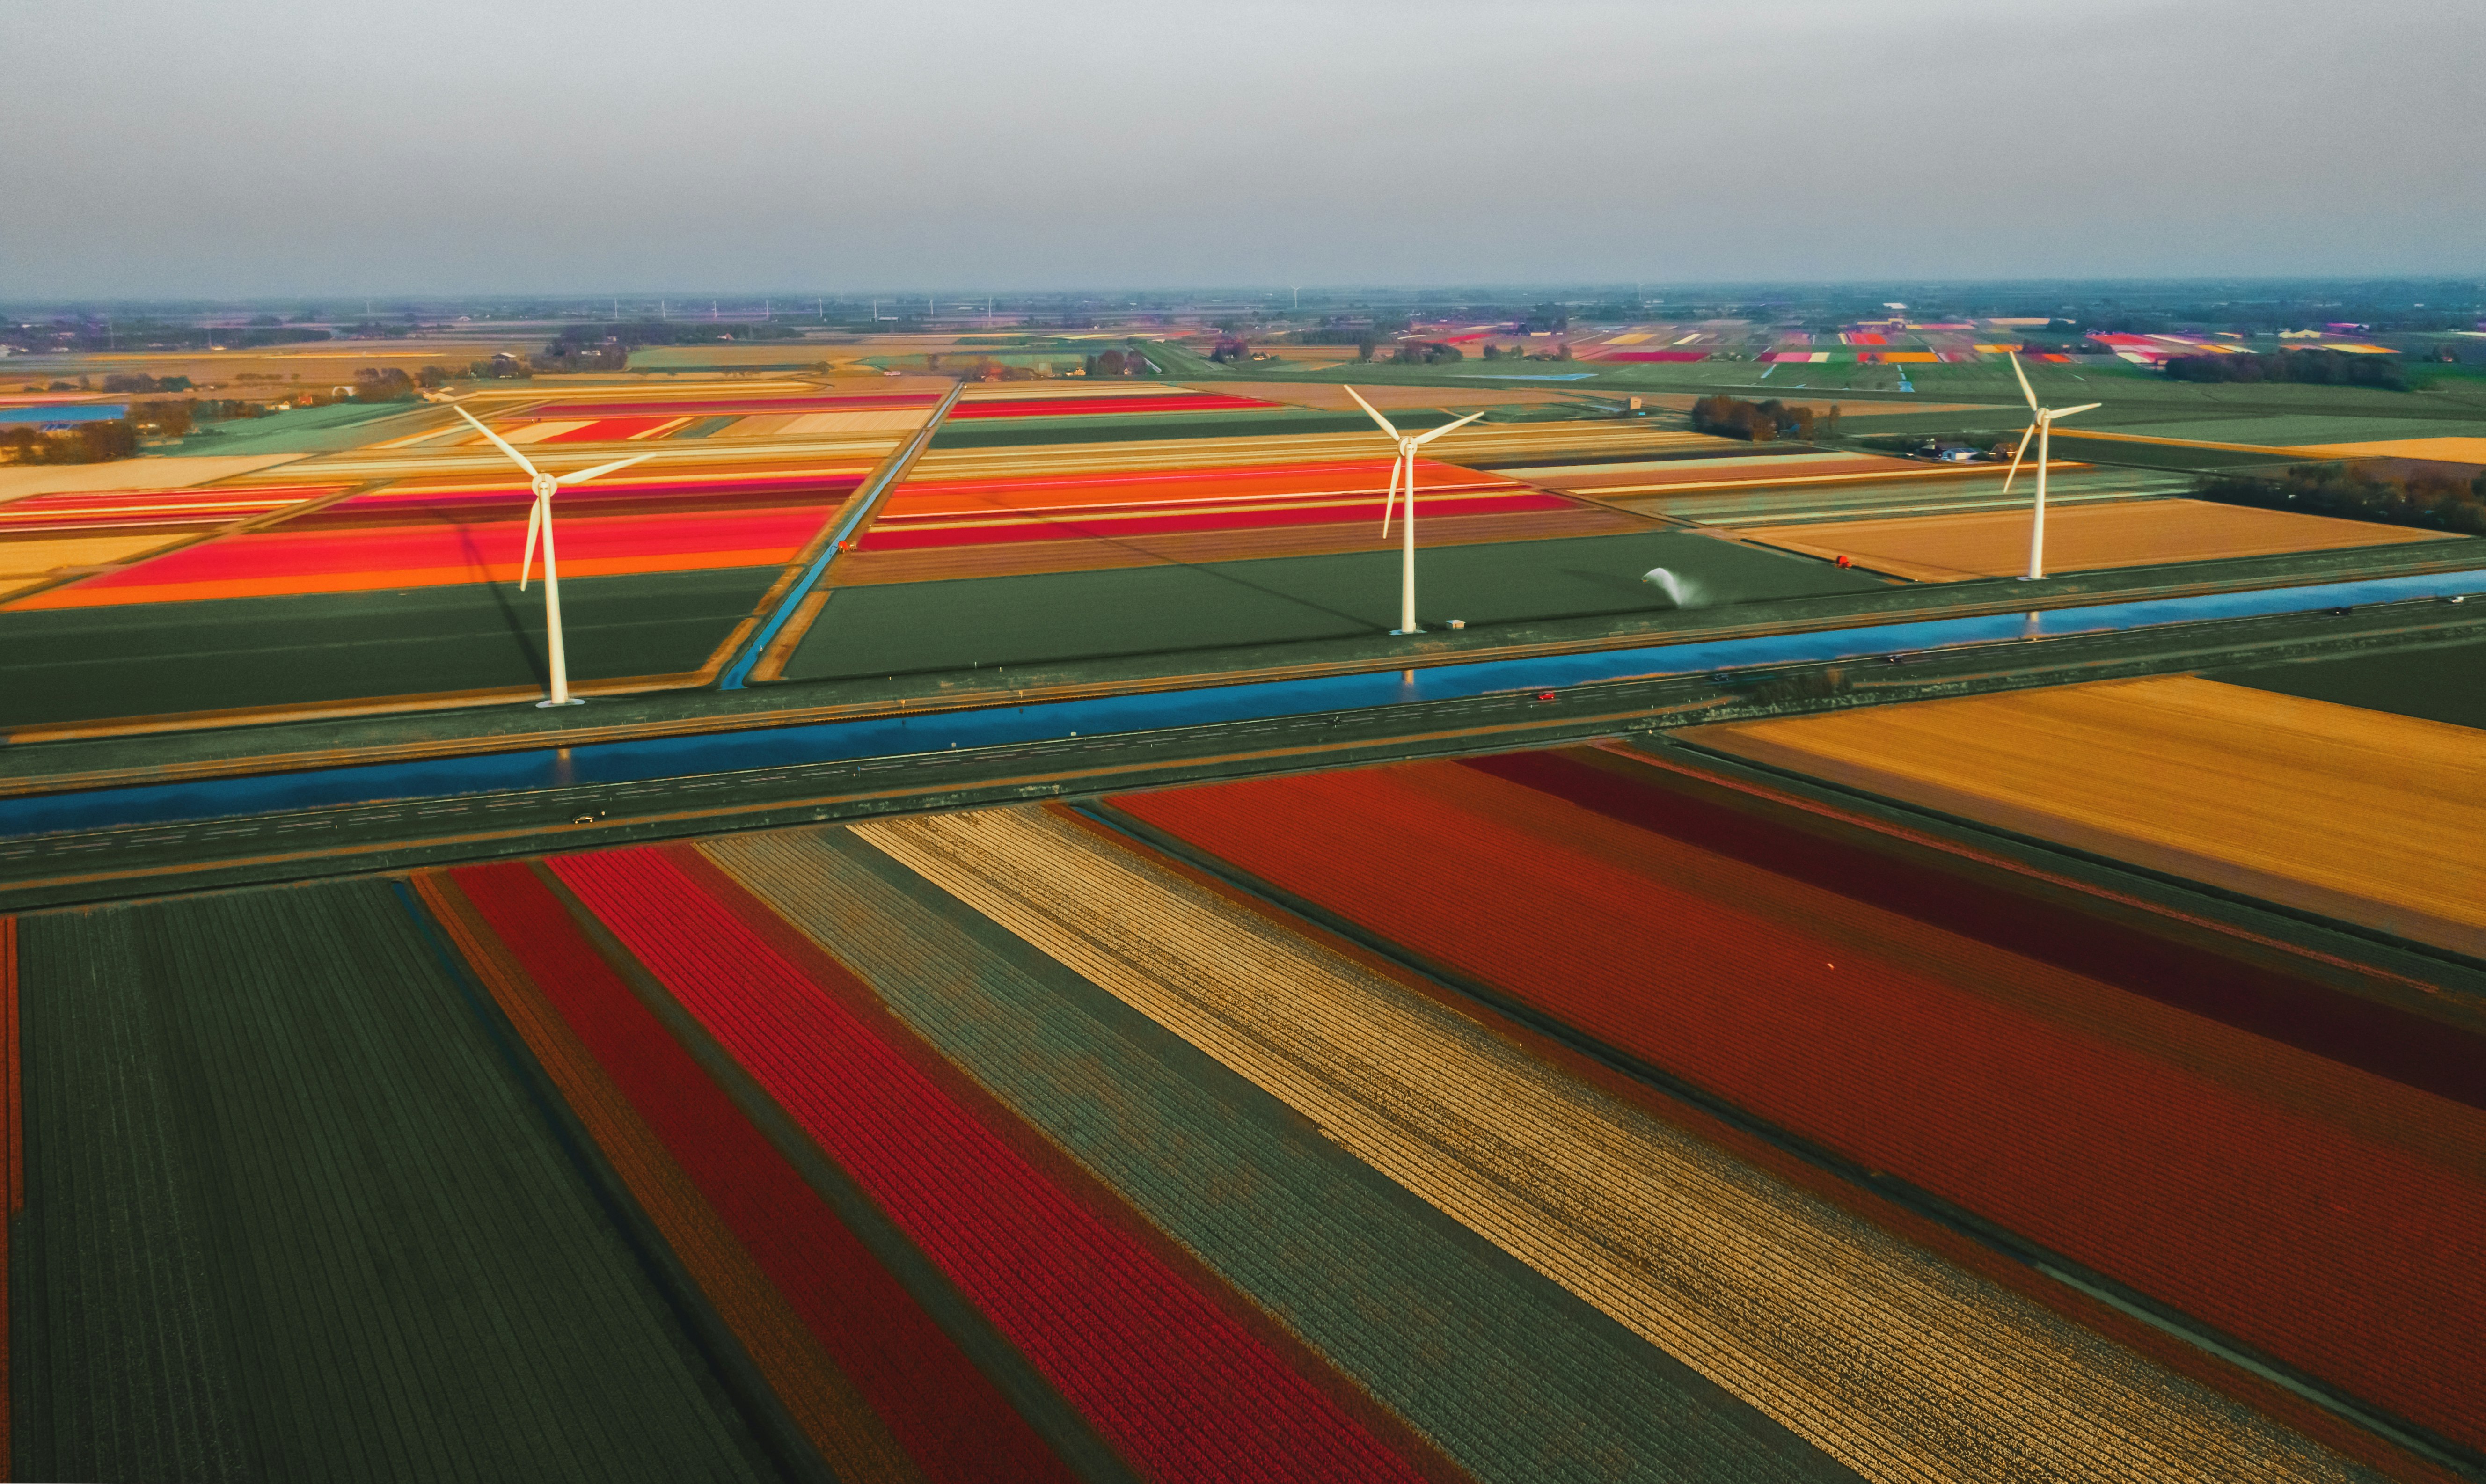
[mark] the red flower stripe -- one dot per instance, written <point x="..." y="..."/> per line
<point x="942" y="499"/>
<point x="2254" y="997"/>
<point x="943" y="1409"/>
<point x="696" y="491"/>
<point x="349" y="561"/>
<point x="2355" y="1259"/>
<point x="1078" y="406"/>
<point x="1175" y="1385"/>
<point x="709" y="406"/>
<point x="1041" y="526"/>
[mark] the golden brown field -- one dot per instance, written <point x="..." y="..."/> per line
<point x="2357" y="814"/>
<point x="2079" y="538"/>
<point x="2451" y="450"/>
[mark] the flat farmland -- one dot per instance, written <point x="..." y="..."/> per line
<point x="2357" y="814"/>
<point x="993" y="526"/>
<point x="1330" y="397"/>
<point x="1799" y="505"/>
<point x="1954" y="547"/>
<point x="1479" y="445"/>
<point x="18" y="481"/>
<point x="2288" y="1163"/>
<point x="2438" y="684"/>
<point x="1066" y="617"/>
<point x="238" y="660"/>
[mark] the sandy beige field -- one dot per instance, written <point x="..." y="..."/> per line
<point x="18" y="481"/>
<point x="2079" y="538"/>
<point x="2361" y="815"/>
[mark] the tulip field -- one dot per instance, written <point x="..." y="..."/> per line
<point x="1445" y="1121"/>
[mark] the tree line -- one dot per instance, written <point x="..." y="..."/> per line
<point x="2319" y="368"/>
<point x="1731" y="417"/>
<point x="2433" y="498"/>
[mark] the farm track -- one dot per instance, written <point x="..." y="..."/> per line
<point x="1959" y="1068"/>
<point x="287" y="845"/>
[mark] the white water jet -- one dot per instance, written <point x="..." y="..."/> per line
<point x="1676" y="591"/>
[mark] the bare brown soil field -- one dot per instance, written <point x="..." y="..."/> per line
<point x="2361" y="815"/>
<point x="2079" y="538"/>
<point x="1011" y="558"/>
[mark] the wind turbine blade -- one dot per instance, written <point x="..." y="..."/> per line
<point x="499" y="442"/>
<point x="1447" y="426"/>
<point x="2064" y="412"/>
<point x="1392" y="501"/>
<point x="1376" y="417"/>
<point x="584" y="475"/>
<point x="2026" y="435"/>
<point x="2024" y="379"/>
<point x="534" y="523"/>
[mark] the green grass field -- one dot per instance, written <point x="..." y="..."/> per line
<point x="302" y="430"/>
<point x="2444" y="683"/>
<point x="293" y="1213"/>
<point x="1052" y="617"/>
<point x="155" y="659"/>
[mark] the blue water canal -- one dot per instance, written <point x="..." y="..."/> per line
<point x="764" y="747"/>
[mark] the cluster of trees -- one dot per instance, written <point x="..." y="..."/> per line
<point x="983" y="367"/>
<point x="2322" y="367"/>
<point x="1731" y="417"/>
<point x="573" y="351"/>
<point x="80" y="442"/>
<point x="2436" y="499"/>
<point x="1119" y="363"/>
<point x="1493" y="352"/>
<point x="1231" y="348"/>
<point x="383" y="384"/>
<point x="147" y="334"/>
<point x="1428" y="353"/>
<point x="142" y="382"/>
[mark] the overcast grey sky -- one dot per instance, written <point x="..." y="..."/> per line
<point x="254" y="146"/>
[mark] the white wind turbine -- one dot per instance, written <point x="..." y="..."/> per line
<point x="1408" y="444"/>
<point x="2042" y="424"/>
<point x="539" y="520"/>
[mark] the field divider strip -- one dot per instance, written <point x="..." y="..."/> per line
<point x="858" y="508"/>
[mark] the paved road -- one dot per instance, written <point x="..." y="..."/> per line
<point x="137" y="860"/>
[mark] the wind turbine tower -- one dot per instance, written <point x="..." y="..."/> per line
<point x="539" y="519"/>
<point x="1408" y="444"/>
<point x="2042" y="424"/>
